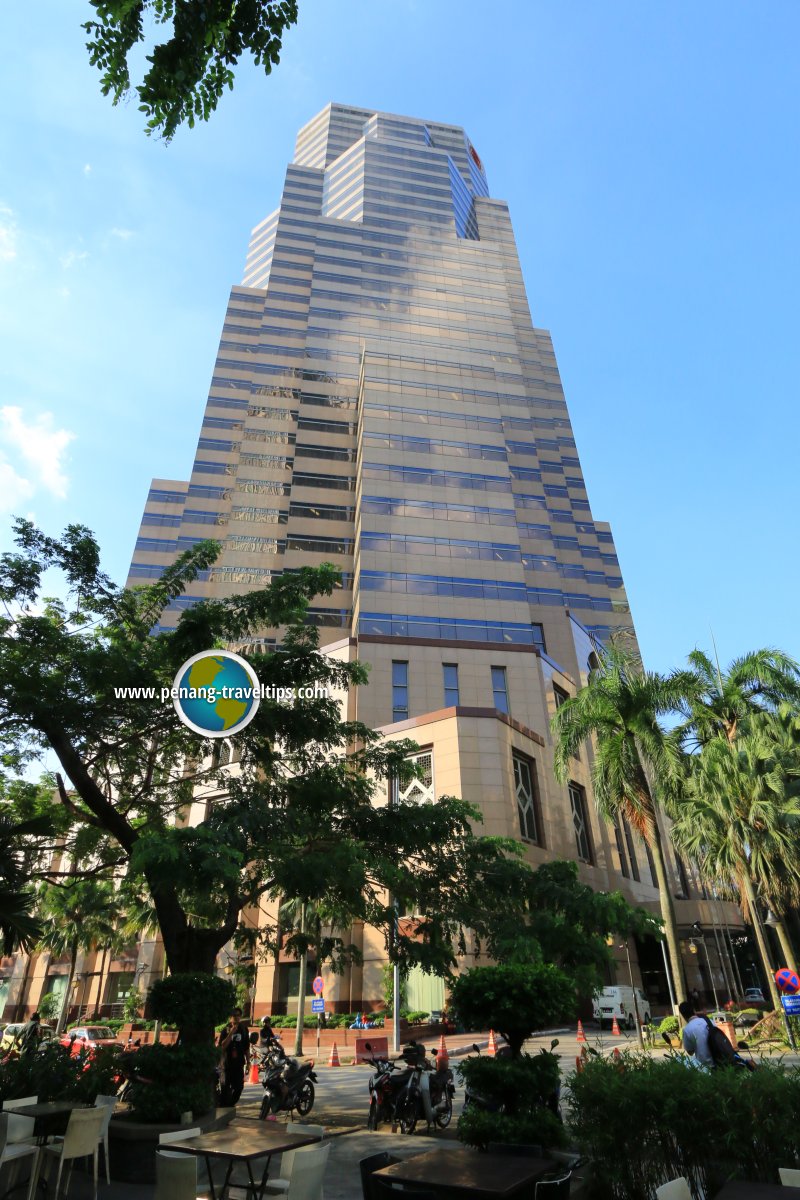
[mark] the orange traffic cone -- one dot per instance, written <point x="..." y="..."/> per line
<point x="333" y="1061"/>
<point x="615" y="1028"/>
<point x="254" y="1071"/>
<point x="491" y="1049"/>
<point x="581" y="1034"/>
<point x="442" y="1058"/>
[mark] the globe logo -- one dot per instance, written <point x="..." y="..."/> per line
<point x="216" y="693"/>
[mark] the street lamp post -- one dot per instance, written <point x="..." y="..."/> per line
<point x="699" y="936"/>
<point x="624" y="946"/>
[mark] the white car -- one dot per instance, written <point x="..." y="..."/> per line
<point x="618" y="1002"/>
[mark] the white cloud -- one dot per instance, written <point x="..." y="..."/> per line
<point x="87" y="170"/>
<point x="122" y="234"/>
<point x="71" y="257"/>
<point x="41" y="447"/>
<point x="15" y="490"/>
<point x="8" y="234"/>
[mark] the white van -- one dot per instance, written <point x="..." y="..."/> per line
<point x="618" y="1002"/>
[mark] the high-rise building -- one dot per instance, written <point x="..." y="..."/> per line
<point x="382" y="400"/>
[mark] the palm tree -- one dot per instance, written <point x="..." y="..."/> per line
<point x="76" y="915"/>
<point x="308" y="919"/>
<point x="716" y="702"/>
<point x="739" y="821"/>
<point x="636" y="762"/>
<point x="19" y="928"/>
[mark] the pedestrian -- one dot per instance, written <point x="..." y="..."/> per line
<point x="28" y="1039"/>
<point x="266" y="1036"/>
<point x="234" y="1042"/>
<point x="694" y="996"/>
<point x="695" y="1035"/>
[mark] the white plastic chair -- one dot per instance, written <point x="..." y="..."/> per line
<point x="109" y="1103"/>
<point x="553" y="1189"/>
<point x="179" y="1135"/>
<point x="307" y="1173"/>
<point x="14" y="1152"/>
<point x="790" y="1176"/>
<point x="82" y="1140"/>
<point x="176" y="1176"/>
<point x="280" y="1184"/>
<point x="20" y="1129"/>
<point x="676" y="1189"/>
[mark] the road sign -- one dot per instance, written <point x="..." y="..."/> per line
<point x="791" y="1005"/>
<point x="317" y="986"/>
<point x="318" y="1005"/>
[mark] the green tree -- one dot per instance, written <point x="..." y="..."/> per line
<point x="739" y="820"/>
<point x="19" y="928"/>
<point x="314" y="927"/>
<point x="636" y="763"/>
<point x="190" y="69"/>
<point x="296" y="819"/>
<point x="75" y="915"/>
<point x="715" y="702"/>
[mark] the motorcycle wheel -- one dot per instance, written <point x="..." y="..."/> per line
<point x="372" y="1119"/>
<point x="444" y="1118"/>
<point x="407" y="1117"/>
<point x="266" y="1105"/>
<point x="305" y="1100"/>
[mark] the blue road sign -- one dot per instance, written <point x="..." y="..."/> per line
<point x="318" y="1006"/>
<point x="791" y="1005"/>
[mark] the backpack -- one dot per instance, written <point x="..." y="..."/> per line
<point x="720" y="1049"/>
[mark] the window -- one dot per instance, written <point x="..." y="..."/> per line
<point x="538" y="637"/>
<point x="580" y="820"/>
<point x="500" y="688"/>
<point x="631" y="849"/>
<point x="623" y="862"/>
<point x="420" y="788"/>
<point x="450" y="675"/>
<point x="399" y="691"/>
<point x="525" y="791"/>
<point x="652" y="864"/>
<point x="559" y="695"/>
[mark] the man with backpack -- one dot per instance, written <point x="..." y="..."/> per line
<point x="705" y="1041"/>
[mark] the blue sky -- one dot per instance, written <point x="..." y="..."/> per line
<point x="649" y="157"/>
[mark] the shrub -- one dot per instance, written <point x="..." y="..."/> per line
<point x="515" y="999"/>
<point x="171" y="1080"/>
<point x="194" y="1002"/>
<point x="670" y="1025"/>
<point x="49" y="1006"/>
<point x="644" y="1121"/>
<point x="517" y="1090"/>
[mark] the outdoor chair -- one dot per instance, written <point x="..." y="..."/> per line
<point x="180" y="1135"/>
<point x="307" y="1173"/>
<point x="82" y="1140"/>
<point x="790" y="1176"/>
<point x="176" y="1176"/>
<point x="676" y="1189"/>
<point x="14" y="1152"/>
<point x="109" y="1103"/>
<point x="521" y="1151"/>
<point x="374" y="1162"/>
<point x="280" y="1184"/>
<point x="382" y="1189"/>
<point x="20" y="1129"/>
<point x="553" y="1189"/>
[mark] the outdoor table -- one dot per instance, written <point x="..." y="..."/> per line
<point x="468" y="1172"/>
<point x="238" y="1144"/>
<point x="51" y="1117"/>
<point x="739" y="1189"/>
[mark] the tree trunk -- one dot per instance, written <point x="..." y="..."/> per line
<point x="62" y="1016"/>
<point x="99" y="1000"/>
<point x="301" y="988"/>
<point x="667" y="909"/>
<point x="789" y="959"/>
<point x="763" y="949"/>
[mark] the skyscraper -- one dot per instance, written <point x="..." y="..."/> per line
<point x="382" y="400"/>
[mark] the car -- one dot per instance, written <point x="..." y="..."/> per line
<point x="10" y="1034"/>
<point x="754" y="994"/>
<point x="88" y="1037"/>
<point x="618" y="1002"/>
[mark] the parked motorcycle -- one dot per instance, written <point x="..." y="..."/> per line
<point x="386" y="1085"/>
<point x="428" y="1094"/>
<point x="288" y="1087"/>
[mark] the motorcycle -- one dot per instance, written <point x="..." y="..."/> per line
<point x="288" y="1087"/>
<point x="385" y="1089"/>
<point x="428" y="1093"/>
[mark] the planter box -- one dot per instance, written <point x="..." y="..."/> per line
<point x="133" y="1144"/>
